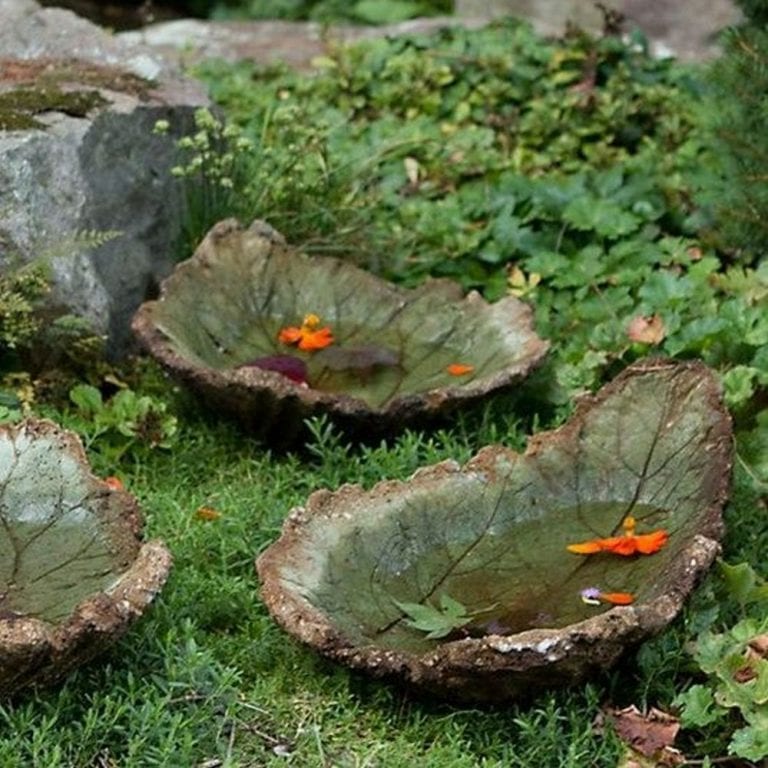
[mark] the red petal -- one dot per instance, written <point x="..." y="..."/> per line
<point x="617" y="598"/>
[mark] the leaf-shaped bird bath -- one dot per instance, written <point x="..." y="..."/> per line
<point x="222" y="311"/>
<point x="74" y="570"/>
<point x="654" y="444"/>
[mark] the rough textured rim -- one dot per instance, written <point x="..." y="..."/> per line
<point x="40" y="652"/>
<point x="501" y="667"/>
<point x="273" y="395"/>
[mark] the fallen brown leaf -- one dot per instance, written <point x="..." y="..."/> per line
<point x="651" y="735"/>
<point x="668" y="758"/>
<point x="207" y="513"/>
<point x="646" y="330"/>
<point x="745" y="674"/>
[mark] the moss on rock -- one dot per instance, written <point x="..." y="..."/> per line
<point x="61" y="85"/>
<point x="18" y="107"/>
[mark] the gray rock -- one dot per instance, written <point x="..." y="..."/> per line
<point x="686" y="29"/>
<point x="296" y="43"/>
<point x="100" y="169"/>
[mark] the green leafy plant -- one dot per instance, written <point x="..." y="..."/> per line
<point x="438" y="621"/>
<point x="21" y="292"/>
<point x="126" y="423"/>
<point x="491" y="157"/>
<point x="44" y="349"/>
<point x="737" y="666"/>
<point x="9" y="413"/>
<point x="744" y="585"/>
<point x="215" y="170"/>
<point x="738" y="81"/>
<point x="735" y="661"/>
<point x="365" y="11"/>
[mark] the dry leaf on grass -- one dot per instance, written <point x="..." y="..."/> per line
<point x="646" y="330"/>
<point x="649" y="736"/>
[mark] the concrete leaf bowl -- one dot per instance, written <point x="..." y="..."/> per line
<point x="75" y="572"/>
<point x="398" y="356"/>
<point x="651" y="451"/>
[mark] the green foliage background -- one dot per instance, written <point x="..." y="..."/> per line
<point x="358" y="11"/>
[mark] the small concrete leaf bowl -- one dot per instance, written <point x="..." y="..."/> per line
<point x="75" y="572"/>
<point x="354" y="570"/>
<point x="395" y="351"/>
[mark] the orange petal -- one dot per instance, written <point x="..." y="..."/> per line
<point x="319" y="339"/>
<point x="459" y="369"/>
<point x="615" y="544"/>
<point x="622" y="545"/>
<point x="617" y="598"/>
<point x="625" y="546"/>
<point x="648" y="543"/>
<point x="114" y="483"/>
<point x="585" y="547"/>
<point x="290" y="335"/>
<point x="207" y="513"/>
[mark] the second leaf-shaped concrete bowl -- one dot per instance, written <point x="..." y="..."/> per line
<point x="74" y="571"/>
<point x="270" y="336"/>
<point x="517" y="572"/>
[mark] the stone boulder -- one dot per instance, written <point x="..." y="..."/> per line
<point x="686" y="29"/>
<point x="78" y="155"/>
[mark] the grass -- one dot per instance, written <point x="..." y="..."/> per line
<point x="207" y="675"/>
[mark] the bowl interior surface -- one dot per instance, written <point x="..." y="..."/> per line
<point x="60" y="533"/>
<point x="648" y="456"/>
<point x="500" y="553"/>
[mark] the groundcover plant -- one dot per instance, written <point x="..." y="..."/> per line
<point x="565" y="173"/>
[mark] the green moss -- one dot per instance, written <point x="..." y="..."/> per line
<point x="60" y="85"/>
<point x="19" y="106"/>
<point x="57" y="72"/>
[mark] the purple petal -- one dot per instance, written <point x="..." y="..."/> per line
<point x="590" y="595"/>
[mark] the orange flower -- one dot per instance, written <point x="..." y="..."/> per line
<point x="309" y="337"/>
<point x="459" y="369"/>
<point x="114" y="483"/>
<point x="628" y="544"/>
<point x="595" y="596"/>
